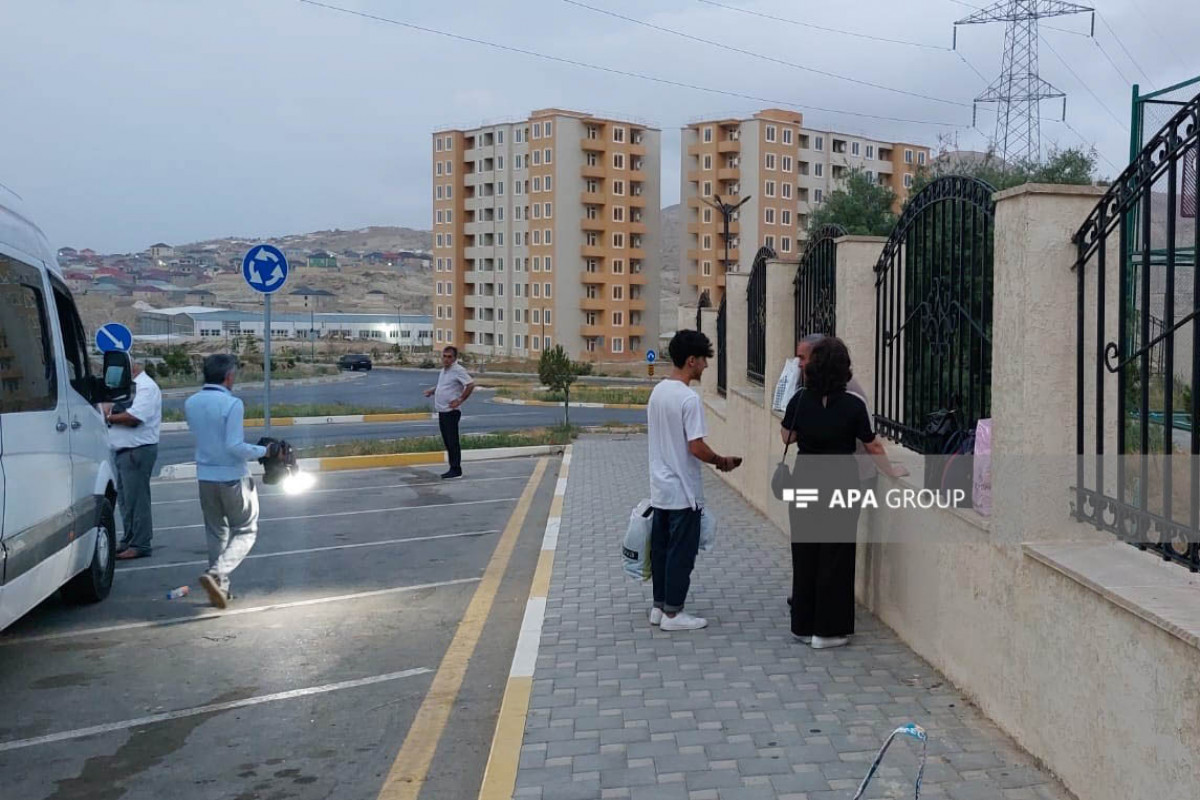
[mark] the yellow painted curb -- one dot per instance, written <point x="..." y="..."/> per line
<point x="258" y="423"/>
<point x="394" y="417"/>
<point x="335" y="463"/>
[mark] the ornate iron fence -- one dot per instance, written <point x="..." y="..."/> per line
<point x="1150" y="496"/>
<point x="933" y="311"/>
<point x="701" y="304"/>
<point x="756" y="318"/>
<point x="722" y="358"/>
<point x="815" y="285"/>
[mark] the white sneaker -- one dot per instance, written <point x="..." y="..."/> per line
<point x="805" y="639"/>
<point x="823" y="642"/>
<point x="682" y="621"/>
<point x="656" y="615"/>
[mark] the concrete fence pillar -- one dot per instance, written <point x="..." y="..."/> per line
<point x="1034" y="358"/>
<point x="736" y="319"/>
<point x="856" y="259"/>
<point x="781" y="326"/>
<point x="708" y="381"/>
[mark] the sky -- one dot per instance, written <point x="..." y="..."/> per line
<point x="127" y="122"/>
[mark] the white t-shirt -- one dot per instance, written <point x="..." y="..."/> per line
<point x="452" y="381"/>
<point x="675" y="416"/>
<point x="146" y="406"/>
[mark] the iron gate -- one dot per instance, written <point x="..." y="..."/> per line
<point x="721" y="355"/>
<point x="1150" y="496"/>
<point x="815" y="289"/>
<point x="756" y="318"/>
<point x="933" y="311"/>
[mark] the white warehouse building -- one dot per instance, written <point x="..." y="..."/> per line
<point x="407" y="330"/>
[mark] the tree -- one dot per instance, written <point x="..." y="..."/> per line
<point x="860" y="205"/>
<point x="556" y="370"/>
<point x="1073" y="166"/>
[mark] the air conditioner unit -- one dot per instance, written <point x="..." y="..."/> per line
<point x="734" y="162"/>
<point x="735" y="136"/>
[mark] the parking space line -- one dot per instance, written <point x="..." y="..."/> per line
<point x="352" y="488"/>
<point x="112" y="727"/>
<point x="166" y="623"/>
<point x="408" y="773"/>
<point x="307" y="550"/>
<point x="353" y="513"/>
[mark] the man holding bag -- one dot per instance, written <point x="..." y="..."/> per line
<point x="676" y="431"/>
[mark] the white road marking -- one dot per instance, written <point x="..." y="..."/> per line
<point x="204" y="562"/>
<point x="358" y="488"/>
<point x="525" y="657"/>
<point x="138" y="722"/>
<point x="356" y="513"/>
<point x="165" y="623"/>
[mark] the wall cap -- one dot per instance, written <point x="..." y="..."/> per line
<point x="856" y="237"/>
<point x="1050" y="188"/>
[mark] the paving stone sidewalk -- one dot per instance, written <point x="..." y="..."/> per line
<point x="738" y="711"/>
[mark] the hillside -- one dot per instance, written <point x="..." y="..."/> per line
<point x="669" y="263"/>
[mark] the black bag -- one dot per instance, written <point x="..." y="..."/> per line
<point x="959" y="471"/>
<point x="782" y="477"/>
<point x="941" y="429"/>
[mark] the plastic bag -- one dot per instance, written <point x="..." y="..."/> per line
<point x="786" y="386"/>
<point x="635" y="548"/>
<point x="912" y="730"/>
<point x="981" y="488"/>
<point x="708" y="530"/>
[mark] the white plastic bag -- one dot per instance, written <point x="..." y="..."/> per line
<point x="708" y="531"/>
<point x="981" y="485"/>
<point x="635" y="548"/>
<point x="789" y="382"/>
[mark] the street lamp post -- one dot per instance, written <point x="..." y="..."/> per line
<point x="726" y="210"/>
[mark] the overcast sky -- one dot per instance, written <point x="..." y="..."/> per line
<point x="125" y="122"/>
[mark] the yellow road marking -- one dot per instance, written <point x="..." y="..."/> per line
<point x="335" y="463"/>
<point x="541" y="577"/>
<point x="407" y="775"/>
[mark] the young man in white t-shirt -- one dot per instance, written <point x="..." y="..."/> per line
<point x="675" y="418"/>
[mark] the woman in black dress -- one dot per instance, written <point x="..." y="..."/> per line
<point x="825" y="421"/>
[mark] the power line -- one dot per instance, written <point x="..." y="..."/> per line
<point x="1081" y="81"/>
<point x="1097" y="150"/>
<point x="824" y="28"/>
<point x="1123" y="47"/>
<point x="624" y="73"/>
<point x="963" y="58"/>
<point x="763" y="57"/>
<point x="1043" y="27"/>
<point x="1110" y="61"/>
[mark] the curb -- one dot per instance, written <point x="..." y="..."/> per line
<point x="339" y="419"/>
<point x="500" y="774"/>
<point x="177" y="472"/>
<point x="178" y="391"/>
<point x="506" y="401"/>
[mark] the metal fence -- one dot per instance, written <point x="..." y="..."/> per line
<point x="722" y="358"/>
<point x="756" y="318"/>
<point x="701" y="304"/>
<point x="933" y="312"/>
<point x="815" y="286"/>
<point x="1142" y="479"/>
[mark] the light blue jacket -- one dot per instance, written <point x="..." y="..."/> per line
<point x="215" y="417"/>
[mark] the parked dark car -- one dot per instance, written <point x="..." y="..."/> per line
<point x="355" y="362"/>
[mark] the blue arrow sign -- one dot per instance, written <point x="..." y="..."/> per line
<point x="650" y="356"/>
<point x="113" y="336"/>
<point x="265" y="268"/>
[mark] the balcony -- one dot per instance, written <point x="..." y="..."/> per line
<point x="637" y="227"/>
<point x="592" y="330"/>
<point x="729" y="146"/>
<point x="593" y="198"/>
<point x="598" y="145"/>
<point x="592" y="304"/>
<point x="591" y="224"/>
<point x="729" y="174"/>
<point x="695" y="149"/>
<point x="638" y="278"/>
<point x="593" y="251"/>
<point x="636" y="200"/>
<point x="638" y="304"/>
<point x="596" y="171"/>
<point x="478" y="228"/>
<point x="698" y="175"/>
<point x="636" y="330"/>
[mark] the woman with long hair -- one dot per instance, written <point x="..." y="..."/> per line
<point x="825" y="421"/>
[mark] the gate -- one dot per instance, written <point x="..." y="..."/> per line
<point x="815" y="289"/>
<point x="721" y="356"/>
<point x="933" y="311"/>
<point x="756" y="318"/>
<point x="1150" y="496"/>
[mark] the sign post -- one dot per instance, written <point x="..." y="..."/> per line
<point x="265" y="269"/>
<point x="651" y="356"/>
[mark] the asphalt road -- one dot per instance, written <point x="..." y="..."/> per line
<point x="389" y="389"/>
<point x="309" y="685"/>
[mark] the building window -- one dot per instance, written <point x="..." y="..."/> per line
<point x="438" y="168"/>
<point x="618" y="240"/>
<point x="921" y="159"/>
<point x="499" y="240"/>
<point x="618" y="134"/>
<point x="769" y="241"/>
<point x="706" y="191"/>
<point x="819" y="169"/>
<point x="787" y="135"/>
<point x="499" y="137"/>
<point x="908" y="180"/>
<point x="537" y="211"/>
<point x="618" y="161"/>
<point x="785" y="244"/>
<point x="537" y="264"/>
<point x="787" y="164"/>
<point x="519" y="135"/>
<point x="546" y="290"/>
<point x="439" y="287"/>
<point x="708" y="162"/>
<point x="908" y="156"/>
<point x="548" y="130"/>
<point x="618" y="319"/>
<point x="537" y="130"/>
<point x="785" y="217"/>
<point x="618" y="293"/>
<point x="618" y="266"/>
<point x="708" y="215"/>
<point x="449" y="143"/>
<point x="537" y="236"/>
<point x="706" y="242"/>
<point x="440" y="217"/>
<point x="537" y="185"/>
<point x="769" y="189"/>
<point x="537" y="317"/>
<point x="449" y="192"/>
<point x="854" y="148"/>
<point x="517" y="341"/>
<point x="618" y="344"/>
<point x="439" y="193"/>
<point x="500" y="188"/>
<point x="547" y="156"/>
<point x="546" y="238"/>
<point x="439" y="334"/>
<point x="439" y="239"/>
<point x="819" y="143"/>
<point x="548" y="183"/>
<point x="618" y="213"/>
<point x="537" y="157"/>
<point x="546" y="315"/>
<point x="439" y="264"/>
<point x="770" y="161"/>
<point x="449" y="216"/>
<point x="500" y="340"/>
<point x="546" y="207"/>
<point x="437" y="143"/>
<point x="870" y="151"/>
<point x="518" y="163"/>
<point x="537" y="292"/>
<point x="706" y="268"/>
<point x="449" y="167"/>
<point x="771" y="133"/>
<point x="818" y="195"/>
<point x="787" y="191"/>
<point x="500" y="214"/>
<point x="708" y="135"/>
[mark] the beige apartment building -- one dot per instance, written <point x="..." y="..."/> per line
<point x="787" y="170"/>
<point x="546" y="231"/>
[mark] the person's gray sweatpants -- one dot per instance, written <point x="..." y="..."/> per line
<point x="231" y="524"/>
<point x="134" y="467"/>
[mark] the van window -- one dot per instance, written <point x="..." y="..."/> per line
<point x="28" y="381"/>
<point x="74" y="339"/>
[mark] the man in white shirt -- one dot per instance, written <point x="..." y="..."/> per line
<point x="676" y="431"/>
<point x="454" y="386"/>
<point x="133" y="436"/>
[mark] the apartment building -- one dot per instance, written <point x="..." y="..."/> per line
<point x="786" y="170"/>
<point x="546" y="231"/>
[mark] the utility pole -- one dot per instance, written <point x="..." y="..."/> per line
<point x="1019" y="90"/>
<point x="727" y="210"/>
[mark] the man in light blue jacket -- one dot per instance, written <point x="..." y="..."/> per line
<point x="228" y="498"/>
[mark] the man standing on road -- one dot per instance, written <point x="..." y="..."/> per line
<point x="228" y="498"/>
<point x="676" y="432"/>
<point x="133" y="436"/>
<point x="454" y="386"/>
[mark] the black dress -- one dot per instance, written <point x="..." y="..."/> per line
<point x="824" y="534"/>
